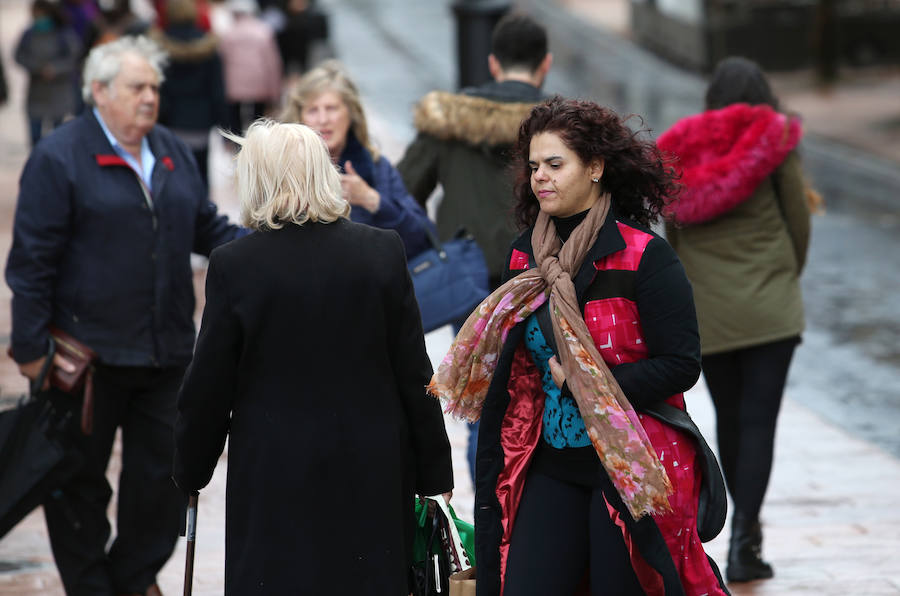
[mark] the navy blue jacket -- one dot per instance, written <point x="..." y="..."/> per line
<point x="91" y="257"/>
<point x="397" y="211"/>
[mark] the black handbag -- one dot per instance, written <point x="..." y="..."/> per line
<point x="450" y="279"/>
<point x="37" y="450"/>
<point x="713" y="505"/>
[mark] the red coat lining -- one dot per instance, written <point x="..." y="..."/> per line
<point x="519" y="436"/>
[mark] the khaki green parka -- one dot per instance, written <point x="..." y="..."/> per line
<point x="745" y="265"/>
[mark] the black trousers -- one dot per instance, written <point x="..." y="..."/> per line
<point x="242" y="114"/>
<point x="746" y="386"/>
<point x="150" y="508"/>
<point x="561" y="531"/>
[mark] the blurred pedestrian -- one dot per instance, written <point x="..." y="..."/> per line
<point x="49" y="51"/>
<point x="326" y="100"/>
<point x="581" y="472"/>
<point x="302" y="23"/>
<point x="252" y="65"/>
<point x="464" y="140"/>
<point x="192" y="97"/>
<point x="202" y="14"/>
<point x="110" y="208"/>
<point x="741" y="227"/>
<point x="118" y="20"/>
<point x="83" y="16"/>
<point x="463" y="144"/>
<point x="311" y="359"/>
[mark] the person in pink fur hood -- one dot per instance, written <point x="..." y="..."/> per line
<point x="741" y="228"/>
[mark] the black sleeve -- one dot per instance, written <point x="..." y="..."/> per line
<point x="41" y="232"/>
<point x="206" y="398"/>
<point x="412" y="371"/>
<point x="665" y="305"/>
<point x="505" y="273"/>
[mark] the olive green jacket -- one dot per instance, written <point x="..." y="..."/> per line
<point x="745" y="265"/>
<point x="463" y="144"/>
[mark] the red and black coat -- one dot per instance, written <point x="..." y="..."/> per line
<point x="639" y="308"/>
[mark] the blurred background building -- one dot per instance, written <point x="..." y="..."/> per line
<point x="779" y="34"/>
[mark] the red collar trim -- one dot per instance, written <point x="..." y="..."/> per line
<point x="110" y="160"/>
<point x="105" y="160"/>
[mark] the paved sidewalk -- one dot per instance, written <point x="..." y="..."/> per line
<point x="831" y="517"/>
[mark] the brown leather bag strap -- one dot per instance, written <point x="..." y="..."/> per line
<point x="87" y="404"/>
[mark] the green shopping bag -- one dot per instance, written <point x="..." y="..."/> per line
<point x="423" y="533"/>
<point x="440" y="550"/>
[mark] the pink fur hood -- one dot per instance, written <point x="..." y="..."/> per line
<point x="723" y="155"/>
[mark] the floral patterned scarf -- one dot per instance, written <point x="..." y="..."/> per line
<point x="463" y="378"/>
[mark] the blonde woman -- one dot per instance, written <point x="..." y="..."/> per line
<point x="311" y="358"/>
<point x="326" y="100"/>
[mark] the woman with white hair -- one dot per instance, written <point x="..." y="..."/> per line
<point x="311" y="357"/>
<point x="326" y="100"/>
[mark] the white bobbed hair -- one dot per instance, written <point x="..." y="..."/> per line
<point x="105" y="61"/>
<point x="284" y="174"/>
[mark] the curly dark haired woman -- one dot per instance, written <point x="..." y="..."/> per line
<point x="569" y="364"/>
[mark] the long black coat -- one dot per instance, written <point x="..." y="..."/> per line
<point x="311" y="356"/>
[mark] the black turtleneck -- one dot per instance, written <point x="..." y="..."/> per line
<point x="566" y="225"/>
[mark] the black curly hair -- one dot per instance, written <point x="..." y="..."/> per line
<point x="636" y="174"/>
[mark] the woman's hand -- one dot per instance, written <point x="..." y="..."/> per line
<point x="557" y="372"/>
<point x="357" y="191"/>
<point x="430" y="504"/>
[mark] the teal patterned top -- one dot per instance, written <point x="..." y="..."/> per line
<point x="563" y="426"/>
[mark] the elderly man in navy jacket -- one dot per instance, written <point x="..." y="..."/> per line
<point x="110" y="208"/>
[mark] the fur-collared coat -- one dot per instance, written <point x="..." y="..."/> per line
<point x="741" y="227"/>
<point x="463" y="143"/>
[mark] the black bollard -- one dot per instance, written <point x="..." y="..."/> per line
<point x="475" y="20"/>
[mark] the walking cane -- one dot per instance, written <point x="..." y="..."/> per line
<point x="191" y="534"/>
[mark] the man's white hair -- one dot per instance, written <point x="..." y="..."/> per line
<point x="105" y="61"/>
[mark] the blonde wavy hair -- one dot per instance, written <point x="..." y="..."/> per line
<point x="330" y="75"/>
<point x="284" y="174"/>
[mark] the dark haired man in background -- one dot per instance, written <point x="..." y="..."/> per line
<point x="463" y="143"/>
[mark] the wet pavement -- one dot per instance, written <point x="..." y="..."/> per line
<point x="832" y="525"/>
